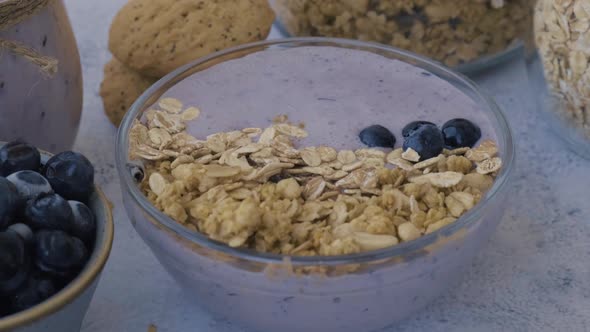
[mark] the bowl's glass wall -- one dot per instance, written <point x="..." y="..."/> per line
<point x="44" y="111"/>
<point x="356" y="293"/>
<point x="347" y="297"/>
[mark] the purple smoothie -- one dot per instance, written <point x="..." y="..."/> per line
<point x="335" y="91"/>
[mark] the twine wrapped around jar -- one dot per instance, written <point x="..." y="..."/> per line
<point x="13" y="12"/>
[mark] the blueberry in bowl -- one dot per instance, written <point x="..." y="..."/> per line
<point x="460" y="133"/>
<point x="18" y="156"/>
<point x="49" y="211"/>
<point x="413" y="126"/>
<point x="426" y="140"/>
<point x="52" y="248"/>
<point x="29" y="184"/>
<point x="71" y="175"/>
<point x="377" y="136"/>
<point x="9" y="201"/>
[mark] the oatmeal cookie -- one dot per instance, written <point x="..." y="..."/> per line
<point x="156" y="37"/>
<point x="120" y="87"/>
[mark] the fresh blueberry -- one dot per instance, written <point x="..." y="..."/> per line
<point x="9" y="202"/>
<point x="459" y="133"/>
<point x="71" y="175"/>
<point x="23" y="231"/>
<point x="29" y="184"/>
<point x="427" y="141"/>
<point x="14" y="262"/>
<point x="4" y="308"/>
<point x="411" y="127"/>
<point x="58" y="253"/>
<point x="84" y="225"/>
<point x="49" y="211"/>
<point x="377" y="136"/>
<point x="34" y="291"/>
<point x="18" y="156"/>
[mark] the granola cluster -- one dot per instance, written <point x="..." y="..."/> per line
<point x="561" y="34"/>
<point x="451" y="31"/>
<point x="255" y="188"/>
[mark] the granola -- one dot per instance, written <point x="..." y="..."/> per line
<point x="451" y="31"/>
<point x="255" y="188"/>
<point x="561" y="36"/>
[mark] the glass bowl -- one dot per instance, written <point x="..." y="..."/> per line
<point x="268" y="292"/>
<point x="558" y="73"/>
<point x="469" y="36"/>
<point x="561" y="121"/>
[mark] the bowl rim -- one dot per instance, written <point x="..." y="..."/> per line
<point x="473" y="67"/>
<point x="76" y="287"/>
<point x="194" y="237"/>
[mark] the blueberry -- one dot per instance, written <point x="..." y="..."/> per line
<point x="34" y="291"/>
<point x="84" y="225"/>
<point x="459" y="133"/>
<point x="377" y="136"/>
<point x="58" y="253"/>
<point x="9" y="202"/>
<point x="278" y="177"/>
<point x="71" y="175"/>
<point x="14" y="262"/>
<point x="23" y="231"/>
<point x="411" y="127"/>
<point x="29" y="184"/>
<point x="49" y="211"/>
<point x="4" y="308"/>
<point x="427" y="141"/>
<point x="18" y="156"/>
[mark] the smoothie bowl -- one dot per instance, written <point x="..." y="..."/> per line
<point x="378" y="177"/>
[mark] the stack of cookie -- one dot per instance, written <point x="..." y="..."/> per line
<point x="151" y="38"/>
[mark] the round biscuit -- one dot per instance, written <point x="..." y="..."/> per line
<point x="120" y="87"/>
<point x="157" y="36"/>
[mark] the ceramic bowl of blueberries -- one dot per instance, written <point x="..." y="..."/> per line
<point x="56" y="232"/>
<point x="336" y="88"/>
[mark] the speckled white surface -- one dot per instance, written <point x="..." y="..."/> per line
<point x="534" y="274"/>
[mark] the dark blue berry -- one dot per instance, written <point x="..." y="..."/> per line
<point x="427" y="141"/>
<point x="9" y="202"/>
<point x="18" y="156"/>
<point x="58" y="253"/>
<point x="71" y="175"/>
<point x="377" y="136"/>
<point x="84" y="225"/>
<point x="4" y="308"/>
<point x="49" y="211"/>
<point x="23" y="231"/>
<point x="14" y="262"/>
<point x="29" y="184"/>
<point x="34" y="291"/>
<point x="411" y="127"/>
<point x="459" y="133"/>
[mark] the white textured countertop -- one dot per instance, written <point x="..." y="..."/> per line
<point x="534" y="275"/>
